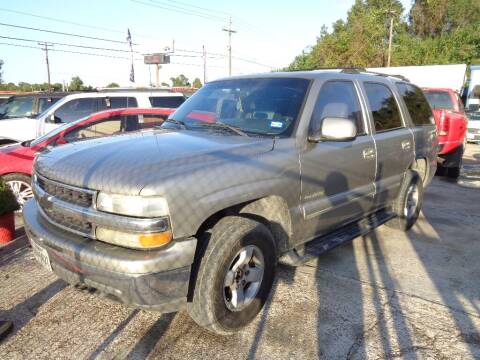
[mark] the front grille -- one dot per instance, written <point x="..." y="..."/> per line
<point x="68" y="194"/>
<point x="69" y="222"/>
<point x="73" y="198"/>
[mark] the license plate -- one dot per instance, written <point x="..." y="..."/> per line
<point x="41" y="256"/>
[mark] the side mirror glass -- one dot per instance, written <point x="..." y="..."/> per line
<point x="335" y="129"/>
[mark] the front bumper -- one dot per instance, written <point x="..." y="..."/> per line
<point x="156" y="279"/>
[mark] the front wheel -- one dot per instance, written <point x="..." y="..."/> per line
<point x="21" y="186"/>
<point x="408" y="203"/>
<point x="235" y="275"/>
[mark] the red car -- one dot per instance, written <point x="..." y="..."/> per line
<point x="451" y="123"/>
<point x="16" y="160"/>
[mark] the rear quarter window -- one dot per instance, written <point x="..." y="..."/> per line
<point x="416" y="103"/>
<point x="166" y="101"/>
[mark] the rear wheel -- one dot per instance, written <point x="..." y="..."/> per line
<point x="408" y="203"/>
<point x="235" y="275"/>
<point x="21" y="186"/>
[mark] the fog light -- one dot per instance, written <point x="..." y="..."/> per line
<point x="132" y="240"/>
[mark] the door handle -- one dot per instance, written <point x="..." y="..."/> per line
<point x="368" y="153"/>
<point x="406" y="145"/>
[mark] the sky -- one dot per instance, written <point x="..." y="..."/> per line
<point x="269" y="34"/>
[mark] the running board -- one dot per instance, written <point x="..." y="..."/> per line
<point x="322" y="244"/>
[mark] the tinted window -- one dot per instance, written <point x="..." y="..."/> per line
<point x="384" y="108"/>
<point x="117" y="102"/>
<point x="75" y="109"/>
<point x="417" y="105"/>
<point x="166" y="101"/>
<point x="17" y="107"/>
<point x="439" y="99"/>
<point x="103" y="128"/>
<point x="256" y="106"/>
<point x="45" y="103"/>
<point x="152" y="120"/>
<point x="337" y="99"/>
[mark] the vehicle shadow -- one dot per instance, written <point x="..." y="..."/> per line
<point x="23" y="312"/>
<point x="452" y="267"/>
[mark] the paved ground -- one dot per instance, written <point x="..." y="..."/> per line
<point x="386" y="295"/>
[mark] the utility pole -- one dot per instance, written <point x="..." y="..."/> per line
<point x="390" y="38"/>
<point x="45" y="48"/>
<point x="230" y="31"/>
<point x="204" y="52"/>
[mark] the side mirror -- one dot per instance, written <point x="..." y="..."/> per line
<point x="335" y="129"/>
<point x="52" y="119"/>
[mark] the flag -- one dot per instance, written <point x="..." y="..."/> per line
<point x="132" y="74"/>
<point x="129" y="38"/>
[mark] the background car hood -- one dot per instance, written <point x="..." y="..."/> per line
<point x="125" y="164"/>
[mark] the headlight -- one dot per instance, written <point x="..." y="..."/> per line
<point x="140" y="206"/>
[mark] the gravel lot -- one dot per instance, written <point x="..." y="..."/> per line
<point x="385" y="295"/>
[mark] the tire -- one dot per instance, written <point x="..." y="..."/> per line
<point x="213" y="304"/>
<point x="21" y="186"/>
<point x="453" y="172"/>
<point x="408" y="203"/>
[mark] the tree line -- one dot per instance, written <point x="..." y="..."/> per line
<point x="77" y="84"/>
<point x="433" y="32"/>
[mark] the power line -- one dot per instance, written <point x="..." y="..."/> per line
<point x="199" y="7"/>
<point x="70" y="52"/>
<point x="179" y="10"/>
<point x="73" y="23"/>
<point x="65" y="44"/>
<point x="63" y="33"/>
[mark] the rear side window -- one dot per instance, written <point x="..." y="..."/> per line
<point x="337" y="99"/>
<point x="166" y="101"/>
<point x="117" y="102"/>
<point x="384" y="108"/>
<point x="417" y="105"/>
<point x="439" y="100"/>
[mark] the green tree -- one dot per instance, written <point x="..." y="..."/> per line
<point x="180" y="80"/>
<point x="437" y="32"/>
<point x="197" y="83"/>
<point x="76" y="84"/>
<point x="113" y="85"/>
<point x="1" y="72"/>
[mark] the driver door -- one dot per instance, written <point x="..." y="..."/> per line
<point x="337" y="177"/>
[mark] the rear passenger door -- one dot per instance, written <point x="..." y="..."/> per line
<point x="337" y="176"/>
<point x="393" y="141"/>
<point x="421" y="119"/>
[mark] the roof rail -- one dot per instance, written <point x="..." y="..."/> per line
<point x="363" y="70"/>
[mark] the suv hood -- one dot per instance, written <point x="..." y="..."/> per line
<point x="126" y="164"/>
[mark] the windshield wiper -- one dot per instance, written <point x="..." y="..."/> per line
<point x="221" y="125"/>
<point x="175" y="121"/>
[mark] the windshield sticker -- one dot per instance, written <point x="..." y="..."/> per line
<point x="276" y="124"/>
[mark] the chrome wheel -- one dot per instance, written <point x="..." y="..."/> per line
<point x="244" y="278"/>
<point x="411" y="202"/>
<point x="21" y="190"/>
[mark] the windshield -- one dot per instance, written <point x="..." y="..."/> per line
<point x="55" y="131"/>
<point x="267" y="107"/>
<point x="439" y="100"/>
<point x="17" y="107"/>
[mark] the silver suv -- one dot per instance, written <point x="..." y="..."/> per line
<point x="249" y="171"/>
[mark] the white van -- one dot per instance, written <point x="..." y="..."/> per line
<point x="76" y="106"/>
